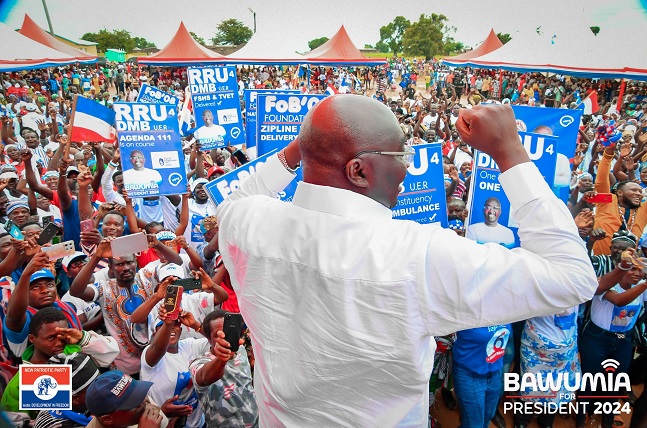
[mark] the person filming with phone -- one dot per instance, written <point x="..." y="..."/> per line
<point x="370" y="292"/>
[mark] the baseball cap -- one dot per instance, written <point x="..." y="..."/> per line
<point x="197" y="182"/>
<point x="69" y="259"/>
<point x="214" y="169"/>
<point x="115" y="390"/>
<point x="9" y="175"/>
<point x="170" y="269"/>
<point x="72" y="168"/>
<point x="84" y="369"/>
<point x="165" y="235"/>
<point x="40" y="274"/>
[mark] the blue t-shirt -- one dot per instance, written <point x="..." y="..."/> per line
<point x="72" y="224"/>
<point x="481" y="349"/>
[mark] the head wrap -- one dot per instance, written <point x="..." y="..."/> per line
<point x="623" y="235"/>
<point x="16" y="204"/>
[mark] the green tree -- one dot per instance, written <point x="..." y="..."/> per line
<point x="392" y="33"/>
<point x="504" y="37"/>
<point x="232" y="32"/>
<point x="425" y="37"/>
<point x="198" y="38"/>
<point x="595" y="30"/>
<point x="315" y="43"/>
<point x="115" y="39"/>
<point x="142" y="43"/>
<point x="382" y="47"/>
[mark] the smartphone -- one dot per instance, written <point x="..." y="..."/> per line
<point x="59" y="251"/>
<point x="47" y="220"/>
<point x="238" y="154"/>
<point x="172" y="301"/>
<point x="601" y="198"/>
<point x="13" y="230"/>
<point x="48" y="233"/>
<point x="87" y="225"/>
<point x="189" y="284"/>
<point x="129" y="244"/>
<point x="233" y="329"/>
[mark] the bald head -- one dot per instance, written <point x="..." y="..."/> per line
<point x="340" y="126"/>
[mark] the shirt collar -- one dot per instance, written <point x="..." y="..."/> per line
<point x="337" y="201"/>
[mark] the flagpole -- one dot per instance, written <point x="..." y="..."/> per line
<point x="66" y="152"/>
<point x="623" y="85"/>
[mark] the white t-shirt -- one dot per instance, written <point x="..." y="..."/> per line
<point x="169" y="214"/>
<point x="196" y="213"/>
<point x="210" y="134"/>
<point x="142" y="177"/>
<point x="482" y="233"/>
<point x="558" y="327"/>
<point x="429" y="120"/>
<point x="614" y="318"/>
<point x="90" y="309"/>
<point x="170" y="377"/>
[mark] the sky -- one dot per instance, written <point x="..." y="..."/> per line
<point x="294" y="22"/>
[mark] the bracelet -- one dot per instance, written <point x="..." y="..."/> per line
<point x="621" y="268"/>
<point x="284" y="162"/>
<point x="112" y="164"/>
<point x="198" y="329"/>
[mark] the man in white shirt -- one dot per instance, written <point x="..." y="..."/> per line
<point x="209" y="132"/>
<point x="139" y="175"/>
<point x="489" y="230"/>
<point x="350" y="299"/>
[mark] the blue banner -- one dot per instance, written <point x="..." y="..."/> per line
<point x="489" y="218"/>
<point x="220" y="188"/>
<point x="151" y="150"/>
<point x="423" y="199"/>
<point x="279" y="118"/>
<point x="250" y="111"/>
<point x="563" y="123"/>
<point x="216" y="106"/>
<point x="151" y="94"/>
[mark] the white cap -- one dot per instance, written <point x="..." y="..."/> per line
<point x="170" y="269"/>
<point x="69" y="259"/>
<point x="72" y="168"/>
<point x="9" y="175"/>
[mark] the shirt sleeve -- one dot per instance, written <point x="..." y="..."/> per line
<point x="269" y="180"/>
<point x="106" y="185"/>
<point x="465" y="284"/>
<point x="17" y="340"/>
<point x="602" y="184"/>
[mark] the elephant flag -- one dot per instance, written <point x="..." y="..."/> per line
<point x="45" y="387"/>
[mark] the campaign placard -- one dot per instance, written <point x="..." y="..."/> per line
<point x="489" y="218"/>
<point x="562" y="123"/>
<point x="250" y="111"/>
<point x="45" y="387"/>
<point x="423" y="198"/>
<point x="216" y="105"/>
<point x="220" y="188"/>
<point x="151" y="149"/>
<point x="151" y="94"/>
<point x="279" y="118"/>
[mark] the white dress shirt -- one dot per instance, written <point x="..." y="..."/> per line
<point x="343" y="301"/>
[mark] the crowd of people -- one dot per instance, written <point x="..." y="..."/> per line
<point x="138" y="364"/>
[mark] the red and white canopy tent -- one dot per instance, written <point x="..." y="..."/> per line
<point x="18" y="52"/>
<point x="182" y="50"/>
<point x="33" y="31"/>
<point x="490" y="44"/>
<point x="340" y="51"/>
<point x="572" y="51"/>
